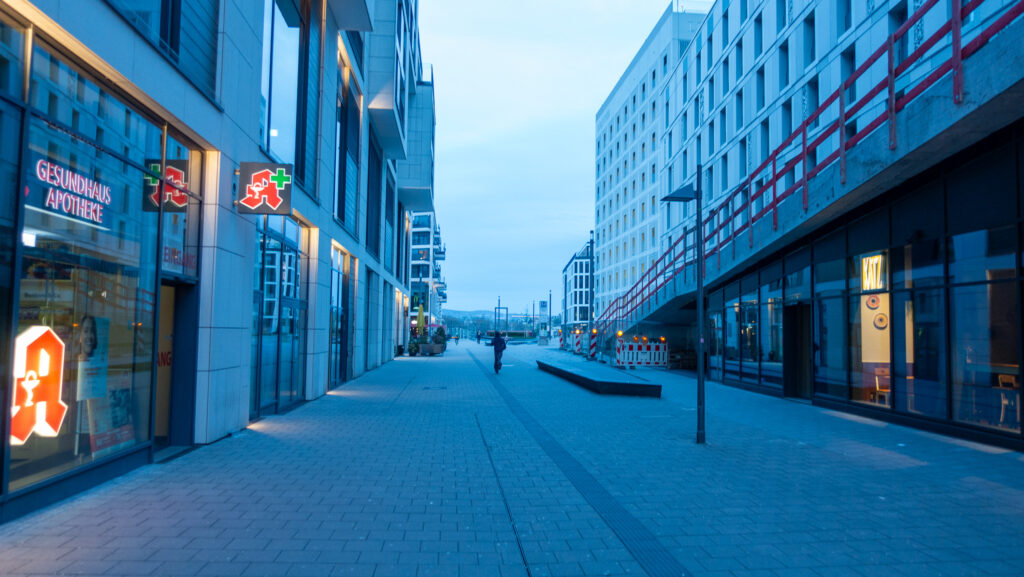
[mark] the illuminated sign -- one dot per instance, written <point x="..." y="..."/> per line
<point x="38" y="376"/>
<point x="174" y="199"/>
<point x="264" y="188"/>
<point x="61" y="190"/>
<point x="872" y="273"/>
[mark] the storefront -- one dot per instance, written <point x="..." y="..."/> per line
<point x="908" y="308"/>
<point x="99" y="229"/>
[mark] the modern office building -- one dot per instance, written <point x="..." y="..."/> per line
<point x="428" y="286"/>
<point x="861" y="172"/>
<point x="576" y="293"/>
<point x="202" y="220"/>
<point x="630" y="127"/>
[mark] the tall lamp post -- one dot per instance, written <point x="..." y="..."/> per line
<point x="684" y="193"/>
<point x="590" y="307"/>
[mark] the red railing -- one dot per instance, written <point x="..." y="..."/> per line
<point x="737" y="213"/>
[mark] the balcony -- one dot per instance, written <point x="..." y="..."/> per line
<point x="354" y="15"/>
<point x="439" y="253"/>
<point x="388" y="71"/>
<point x="416" y="172"/>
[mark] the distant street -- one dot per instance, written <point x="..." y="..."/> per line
<point x="433" y="466"/>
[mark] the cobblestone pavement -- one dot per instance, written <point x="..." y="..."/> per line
<point x="434" y="466"/>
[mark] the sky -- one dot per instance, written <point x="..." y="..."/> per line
<point x="517" y="86"/>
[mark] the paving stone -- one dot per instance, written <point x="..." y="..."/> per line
<point x="391" y="475"/>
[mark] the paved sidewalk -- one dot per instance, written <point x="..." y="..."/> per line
<point x="433" y="466"/>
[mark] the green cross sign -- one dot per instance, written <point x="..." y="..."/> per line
<point x="280" y="179"/>
<point x="151" y="180"/>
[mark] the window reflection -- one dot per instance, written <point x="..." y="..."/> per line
<point x="919" y="363"/>
<point x="732" y="339"/>
<point x="986" y="367"/>
<point x="829" y="348"/>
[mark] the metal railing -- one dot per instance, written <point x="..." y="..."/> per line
<point x="739" y="210"/>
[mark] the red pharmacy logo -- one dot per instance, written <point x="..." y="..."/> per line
<point x="38" y="375"/>
<point x="171" y="191"/>
<point x="265" y="187"/>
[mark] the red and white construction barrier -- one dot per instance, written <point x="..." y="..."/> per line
<point x="578" y="345"/>
<point x="593" y="347"/>
<point x="641" y="354"/>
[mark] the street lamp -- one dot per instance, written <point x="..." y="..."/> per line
<point x="686" y="193"/>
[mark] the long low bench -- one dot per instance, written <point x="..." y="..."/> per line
<point x="602" y="387"/>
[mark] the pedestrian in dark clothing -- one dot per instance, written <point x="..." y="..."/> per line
<point x="478" y="337"/>
<point x="498" y="342"/>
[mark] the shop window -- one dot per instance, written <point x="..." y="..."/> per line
<point x="919" y="352"/>
<point x="985" y="359"/>
<point x="749" y="343"/>
<point x="830" y="347"/>
<point x="88" y="276"/>
<point x="283" y="85"/>
<point x="732" y="337"/>
<point x="869" y="349"/>
<point x="714" y="337"/>
<point x="771" y="333"/>
<point x="983" y="255"/>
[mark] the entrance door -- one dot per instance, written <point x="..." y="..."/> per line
<point x="174" y="405"/>
<point x="796" y="363"/>
<point x="164" y="374"/>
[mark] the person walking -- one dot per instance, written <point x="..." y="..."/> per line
<point x="498" y="342"/>
<point x="478" y="337"/>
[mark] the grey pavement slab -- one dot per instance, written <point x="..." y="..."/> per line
<point x="425" y="467"/>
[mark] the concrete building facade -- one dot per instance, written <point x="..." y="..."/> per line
<point x="858" y="164"/>
<point x="178" y="317"/>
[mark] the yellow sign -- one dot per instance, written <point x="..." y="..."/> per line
<point x="872" y="272"/>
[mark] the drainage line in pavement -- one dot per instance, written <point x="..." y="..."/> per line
<point x="501" y="489"/>
<point x="641" y="543"/>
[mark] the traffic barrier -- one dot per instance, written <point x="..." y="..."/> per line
<point x="593" y="346"/>
<point x="641" y="354"/>
<point x="578" y="348"/>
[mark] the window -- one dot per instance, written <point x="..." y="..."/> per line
<point x="758" y="36"/>
<point x="759" y="88"/>
<point x="283" y="101"/>
<point x="725" y="30"/>
<point x="781" y="14"/>
<point x="844" y="15"/>
<point x="810" y="52"/>
<point x="783" y="65"/>
<point x="739" y="110"/>
<point x="986" y="364"/>
<point x="346" y="135"/>
<point x="739" y="59"/>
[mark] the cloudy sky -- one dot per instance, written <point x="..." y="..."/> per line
<point x="517" y="87"/>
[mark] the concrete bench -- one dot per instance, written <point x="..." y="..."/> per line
<point x="601" y="386"/>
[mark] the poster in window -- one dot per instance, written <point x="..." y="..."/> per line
<point x="93" y="338"/>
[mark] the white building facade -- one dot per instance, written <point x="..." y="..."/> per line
<point x="630" y="128"/>
<point x="576" y="291"/>
<point x="180" y="318"/>
<point x="428" y="286"/>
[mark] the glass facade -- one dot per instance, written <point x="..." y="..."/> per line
<point x="914" y="308"/>
<point x="80" y="273"/>
<point x="279" y="315"/>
